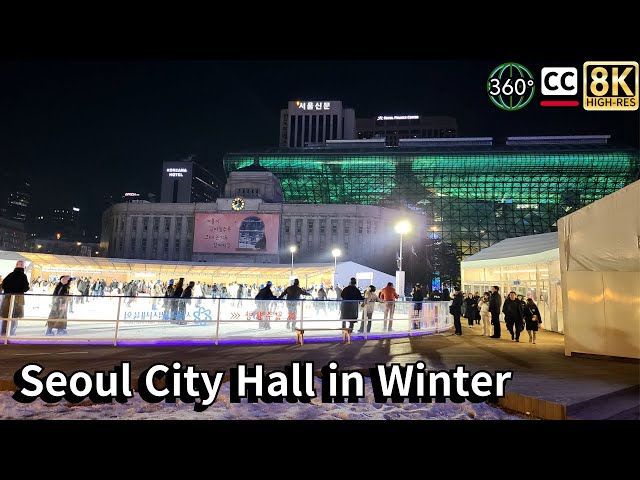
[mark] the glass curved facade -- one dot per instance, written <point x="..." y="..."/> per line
<point x="472" y="197"/>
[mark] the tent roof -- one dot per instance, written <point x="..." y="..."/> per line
<point x="80" y="264"/>
<point x="527" y="249"/>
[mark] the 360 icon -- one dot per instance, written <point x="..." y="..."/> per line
<point x="510" y="86"/>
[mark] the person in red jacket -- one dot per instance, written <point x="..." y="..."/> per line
<point x="389" y="296"/>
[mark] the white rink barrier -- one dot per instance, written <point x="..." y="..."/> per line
<point x="141" y="320"/>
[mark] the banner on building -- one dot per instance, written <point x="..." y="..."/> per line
<point x="236" y="233"/>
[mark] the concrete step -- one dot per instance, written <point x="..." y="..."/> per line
<point x="622" y="404"/>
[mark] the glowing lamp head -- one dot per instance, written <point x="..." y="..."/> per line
<point x="336" y="252"/>
<point x="403" y="227"/>
<point x="292" y="248"/>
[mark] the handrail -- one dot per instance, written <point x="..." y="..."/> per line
<point x="135" y="319"/>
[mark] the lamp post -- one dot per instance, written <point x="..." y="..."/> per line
<point x="403" y="227"/>
<point x="336" y="253"/>
<point x="292" y="249"/>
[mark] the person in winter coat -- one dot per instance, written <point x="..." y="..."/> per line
<point x="495" y="301"/>
<point x="293" y="293"/>
<point x="513" y="316"/>
<point x="263" y="298"/>
<point x="187" y="293"/>
<point x="456" y="309"/>
<point x="389" y="295"/>
<point x="471" y="310"/>
<point x="417" y="296"/>
<point x="349" y="305"/>
<point x="532" y="319"/>
<point x="485" y="314"/>
<point x="370" y="299"/>
<point x="14" y="286"/>
<point x="59" y="305"/>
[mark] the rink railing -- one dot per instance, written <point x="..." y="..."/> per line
<point x="143" y="320"/>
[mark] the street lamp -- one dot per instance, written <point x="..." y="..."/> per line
<point x="336" y="253"/>
<point x="292" y="249"/>
<point x="402" y="228"/>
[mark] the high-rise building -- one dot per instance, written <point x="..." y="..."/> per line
<point x="395" y="127"/>
<point x="15" y="201"/>
<point x="306" y="123"/>
<point x="65" y="222"/>
<point x="188" y="182"/>
<point x="472" y="192"/>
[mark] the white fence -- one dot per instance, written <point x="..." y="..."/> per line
<point x="157" y="320"/>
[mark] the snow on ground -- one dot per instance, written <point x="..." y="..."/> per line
<point x="223" y="409"/>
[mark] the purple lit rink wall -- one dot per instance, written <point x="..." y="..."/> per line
<point x="150" y="320"/>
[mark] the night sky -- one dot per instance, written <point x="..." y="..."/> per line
<point x="84" y="129"/>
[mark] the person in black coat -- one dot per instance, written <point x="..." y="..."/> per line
<point x="456" y="309"/>
<point x="417" y="295"/>
<point x="513" y="316"/>
<point x="349" y="308"/>
<point x="262" y="300"/>
<point x="495" y="302"/>
<point x="293" y="293"/>
<point x="14" y="285"/>
<point x="471" y="311"/>
<point x="59" y="307"/>
<point x="532" y="319"/>
<point x="175" y="304"/>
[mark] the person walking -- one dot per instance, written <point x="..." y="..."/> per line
<point x="456" y="309"/>
<point x="14" y="285"/>
<point x="485" y="314"/>
<point x="293" y="293"/>
<point x="495" y="301"/>
<point x="349" y="305"/>
<point x="59" y="305"/>
<point x="532" y="319"/>
<point x="513" y="316"/>
<point x="389" y="296"/>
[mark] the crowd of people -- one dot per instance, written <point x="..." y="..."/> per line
<point x="355" y="303"/>
<point x="518" y="313"/>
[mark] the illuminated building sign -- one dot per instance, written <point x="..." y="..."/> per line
<point x="131" y="194"/>
<point x="313" y="105"/>
<point x="236" y="233"/>
<point x="398" y="117"/>
<point x="176" y="172"/>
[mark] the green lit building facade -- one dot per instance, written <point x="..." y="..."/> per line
<point x="472" y="195"/>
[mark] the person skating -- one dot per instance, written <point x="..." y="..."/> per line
<point x="59" y="305"/>
<point x="293" y="293"/>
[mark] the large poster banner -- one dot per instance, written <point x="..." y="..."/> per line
<point x="236" y="233"/>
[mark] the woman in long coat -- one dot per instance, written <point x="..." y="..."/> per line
<point x="59" y="305"/>
<point x="532" y="319"/>
<point x="471" y="311"/>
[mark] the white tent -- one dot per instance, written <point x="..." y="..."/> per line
<point x="528" y="265"/>
<point x="364" y="275"/>
<point x="600" y="268"/>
